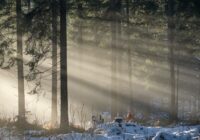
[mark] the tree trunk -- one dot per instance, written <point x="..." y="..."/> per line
<point x="64" y="121"/>
<point x="171" y="27"/>
<point x="129" y="59"/>
<point x="199" y="102"/>
<point x="20" y="69"/>
<point x="29" y="5"/>
<point x="54" y="63"/>
<point x="172" y="75"/>
<point x="115" y="7"/>
<point x="80" y="9"/>
<point x="119" y="67"/>
<point x="127" y="11"/>
<point x="113" y="70"/>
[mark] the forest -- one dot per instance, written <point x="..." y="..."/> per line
<point x="99" y="70"/>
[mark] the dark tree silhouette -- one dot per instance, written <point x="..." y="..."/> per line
<point x="171" y="28"/>
<point x="29" y="4"/>
<point x="64" y="120"/>
<point x="113" y="11"/>
<point x="129" y="56"/>
<point x="20" y="69"/>
<point x="54" y="62"/>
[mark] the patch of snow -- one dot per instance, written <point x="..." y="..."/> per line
<point x="114" y="131"/>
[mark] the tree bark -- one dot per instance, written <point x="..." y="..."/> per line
<point x="113" y="70"/>
<point x="54" y="112"/>
<point x="20" y="68"/>
<point x="129" y="59"/>
<point x="29" y="5"/>
<point x="127" y="11"/>
<point x="115" y="7"/>
<point x="64" y="121"/>
<point x="171" y="28"/>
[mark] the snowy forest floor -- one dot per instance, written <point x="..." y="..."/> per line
<point x="111" y="131"/>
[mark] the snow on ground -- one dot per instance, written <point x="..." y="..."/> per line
<point x="114" y="131"/>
